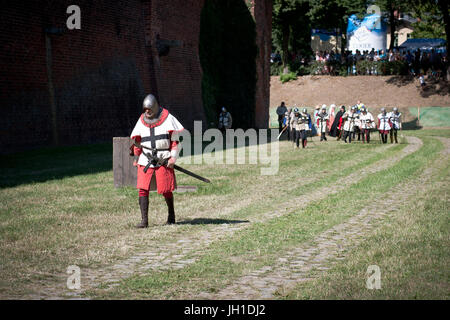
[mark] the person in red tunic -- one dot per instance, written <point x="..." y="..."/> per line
<point x="158" y="131"/>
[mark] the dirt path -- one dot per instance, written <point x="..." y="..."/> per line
<point x="186" y="249"/>
<point x="320" y="254"/>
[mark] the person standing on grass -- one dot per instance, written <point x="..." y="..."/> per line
<point x="286" y="124"/>
<point x="158" y="131"/>
<point x="332" y="114"/>
<point x="316" y="114"/>
<point x="349" y="117"/>
<point x="281" y="110"/>
<point x="294" y="123"/>
<point x="384" y="125"/>
<point x="395" y="118"/>
<point x="322" y="123"/>
<point x="225" y="120"/>
<point x="337" y="124"/>
<point x="366" y="120"/>
<point x="302" y="127"/>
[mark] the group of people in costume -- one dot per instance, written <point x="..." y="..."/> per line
<point x="156" y="137"/>
<point x="357" y="122"/>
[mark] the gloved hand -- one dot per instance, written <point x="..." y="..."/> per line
<point x="171" y="163"/>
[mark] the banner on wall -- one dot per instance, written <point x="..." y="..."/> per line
<point x="365" y="34"/>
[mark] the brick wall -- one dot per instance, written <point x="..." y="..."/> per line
<point x="262" y="12"/>
<point x="101" y="73"/>
<point x="178" y="74"/>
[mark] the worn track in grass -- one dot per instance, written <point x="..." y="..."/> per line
<point x="325" y="249"/>
<point x="185" y="249"/>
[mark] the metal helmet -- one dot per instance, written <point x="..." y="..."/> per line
<point x="224" y="110"/>
<point x="304" y="110"/>
<point x="395" y="109"/>
<point x="354" y="108"/>
<point x="296" y="110"/>
<point x="363" y="109"/>
<point x="151" y="103"/>
<point x="324" y="107"/>
<point x="383" y="110"/>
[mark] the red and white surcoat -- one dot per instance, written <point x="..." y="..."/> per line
<point x="322" y="122"/>
<point x="384" y="123"/>
<point x="163" y="135"/>
<point x="367" y="121"/>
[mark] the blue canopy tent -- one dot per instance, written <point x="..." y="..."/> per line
<point x="424" y="44"/>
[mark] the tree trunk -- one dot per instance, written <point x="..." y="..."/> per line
<point x="443" y="6"/>
<point x="392" y="25"/>
<point x="285" y="45"/>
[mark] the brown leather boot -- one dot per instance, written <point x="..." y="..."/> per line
<point x="143" y="204"/>
<point x="171" y="217"/>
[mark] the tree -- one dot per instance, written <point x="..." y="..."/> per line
<point x="293" y="19"/>
<point x="334" y="14"/>
<point x="392" y="8"/>
<point x="289" y="18"/>
<point x="434" y="17"/>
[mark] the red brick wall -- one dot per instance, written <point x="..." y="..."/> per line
<point x="262" y="12"/>
<point x="178" y="75"/>
<point x="102" y="72"/>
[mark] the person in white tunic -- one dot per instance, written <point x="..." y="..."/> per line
<point x="396" y="121"/>
<point x="322" y="122"/>
<point x="384" y="125"/>
<point x="156" y="138"/>
<point x="349" y="117"/>
<point x="367" y="123"/>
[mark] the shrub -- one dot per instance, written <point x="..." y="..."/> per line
<point x="276" y="69"/>
<point x="288" y="77"/>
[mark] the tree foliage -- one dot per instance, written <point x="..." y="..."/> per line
<point x="430" y="24"/>
<point x="293" y="19"/>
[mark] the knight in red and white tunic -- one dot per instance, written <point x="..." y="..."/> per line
<point x="158" y="131"/>
<point x="384" y="125"/>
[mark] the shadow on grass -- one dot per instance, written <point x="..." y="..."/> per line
<point x="51" y="163"/>
<point x="54" y="163"/>
<point x="412" y="125"/>
<point x="211" y="221"/>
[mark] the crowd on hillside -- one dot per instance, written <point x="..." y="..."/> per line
<point x="416" y="62"/>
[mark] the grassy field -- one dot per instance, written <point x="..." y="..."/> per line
<point x="432" y="116"/>
<point x="59" y="208"/>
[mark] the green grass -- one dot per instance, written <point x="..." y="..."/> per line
<point x="261" y="243"/>
<point x="410" y="247"/>
<point x="65" y="210"/>
<point x="432" y="116"/>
